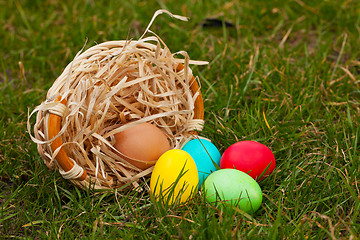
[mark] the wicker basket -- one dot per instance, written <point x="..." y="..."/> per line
<point x="105" y="90"/>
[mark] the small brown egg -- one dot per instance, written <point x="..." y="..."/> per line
<point x="144" y="142"/>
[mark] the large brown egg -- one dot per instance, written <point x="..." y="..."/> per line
<point x="142" y="145"/>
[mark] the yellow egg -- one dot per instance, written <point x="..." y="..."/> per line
<point x="174" y="178"/>
<point x="142" y="144"/>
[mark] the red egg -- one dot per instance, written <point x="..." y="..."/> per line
<point x="250" y="157"/>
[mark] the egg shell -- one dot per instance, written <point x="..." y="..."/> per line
<point x="174" y="178"/>
<point x="141" y="145"/>
<point x="204" y="154"/>
<point x="231" y="187"/>
<point x="250" y="157"/>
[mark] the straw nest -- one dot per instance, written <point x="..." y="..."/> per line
<point x="106" y="89"/>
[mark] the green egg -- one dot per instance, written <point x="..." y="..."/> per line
<point x="231" y="187"/>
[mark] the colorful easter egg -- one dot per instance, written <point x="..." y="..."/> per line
<point x="250" y="157"/>
<point x="206" y="157"/>
<point x="231" y="187"/>
<point x="174" y="178"/>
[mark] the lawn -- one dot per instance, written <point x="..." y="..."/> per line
<point x="283" y="73"/>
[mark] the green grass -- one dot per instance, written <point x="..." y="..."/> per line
<point x="287" y="75"/>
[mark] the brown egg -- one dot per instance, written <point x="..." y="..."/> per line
<point x="144" y="142"/>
